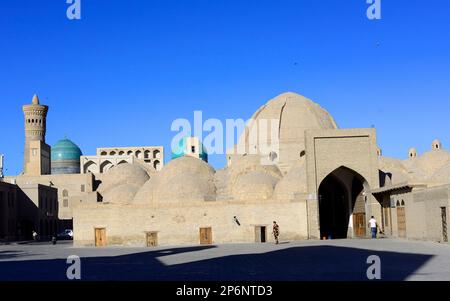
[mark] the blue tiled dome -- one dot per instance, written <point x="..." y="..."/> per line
<point x="66" y="150"/>
<point x="66" y="157"/>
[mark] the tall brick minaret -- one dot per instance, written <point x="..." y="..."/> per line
<point x="37" y="152"/>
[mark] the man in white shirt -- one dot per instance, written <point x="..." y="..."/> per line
<point x="35" y="235"/>
<point x="373" y="227"/>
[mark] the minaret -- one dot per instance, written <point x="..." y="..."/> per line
<point x="37" y="152"/>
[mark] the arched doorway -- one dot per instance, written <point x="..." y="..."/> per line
<point x="26" y="229"/>
<point x="341" y="194"/>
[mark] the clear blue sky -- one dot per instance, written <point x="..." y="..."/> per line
<point x="123" y="73"/>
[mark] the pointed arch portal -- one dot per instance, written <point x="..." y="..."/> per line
<point x="342" y="204"/>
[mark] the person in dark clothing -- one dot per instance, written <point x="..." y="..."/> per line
<point x="276" y="231"/>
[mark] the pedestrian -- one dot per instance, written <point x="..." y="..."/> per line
<point x="276" y="231"/>
<point x="373" y="225"/>
<point x="35" y="235"/>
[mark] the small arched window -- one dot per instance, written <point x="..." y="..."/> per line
<point x="403" y="203"/>
<point x="157" y="165"/>
<point x="65" y="193"/>
<point x="398" y="203"/>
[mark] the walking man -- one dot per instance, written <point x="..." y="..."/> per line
<point x="276" y="231"/>
<point x="373" y="225"/>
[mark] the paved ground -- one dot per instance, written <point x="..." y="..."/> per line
<point x="304" y="260"/>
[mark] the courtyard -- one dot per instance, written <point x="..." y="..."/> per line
<point x="291" y="261"/>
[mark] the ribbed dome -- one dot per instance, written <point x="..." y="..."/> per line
<point x="296" y="114"/>
<point x="66" y="150"/>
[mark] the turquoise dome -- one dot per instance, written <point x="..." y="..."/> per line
<point x="180" y="150"/>
<point x="66" y="150"/>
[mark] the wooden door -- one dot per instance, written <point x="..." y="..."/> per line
<point x="263" y="234"/>
<point x="444" y="224"/>
<point x="100" y="237"/>
<point x="152" y="239"/>
<point x="359" y="224"/>
<point x="401" y="221"/>
<point x="205" y="236"/>
<point x="260" y="234"/>
<point x="387" y="220"/>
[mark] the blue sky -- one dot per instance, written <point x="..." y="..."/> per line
<point x="127" y="69"/>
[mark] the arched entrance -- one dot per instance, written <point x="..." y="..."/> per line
<point x="26" y="229"/>
<point x="340" y="196"/>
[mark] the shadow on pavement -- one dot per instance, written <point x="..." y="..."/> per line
<point x="291" y="264"/>
<point x="11" y="254"/>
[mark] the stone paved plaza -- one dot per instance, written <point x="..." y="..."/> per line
<point x="304" y="260"/>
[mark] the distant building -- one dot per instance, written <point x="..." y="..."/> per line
<point x="56" y="180"/>
<point x="27" y="208"/>
<point x="150" y="157"/>
<point x="9" y="211"/>
<point x="192" y="147"/>
<point x="38" y="210"/>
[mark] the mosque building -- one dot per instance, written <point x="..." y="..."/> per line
<point x="65" y="157"/>
<point x="317" y="182"/>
